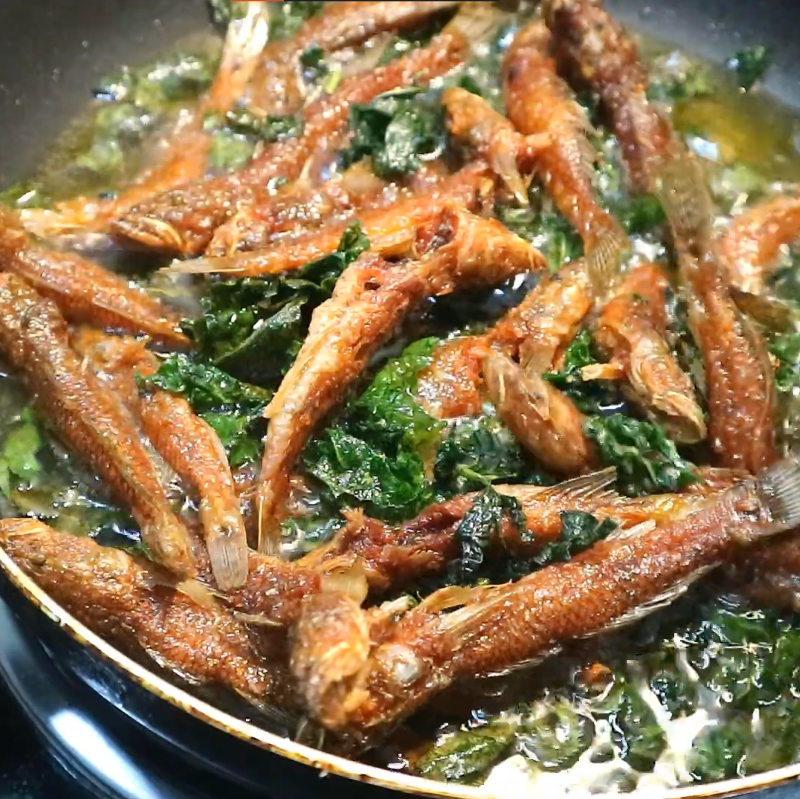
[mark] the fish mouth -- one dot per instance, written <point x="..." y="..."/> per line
<point x="149" y="232"/>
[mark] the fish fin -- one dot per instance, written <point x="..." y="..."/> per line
<point x="626" y="533"/>
<point x="256" y="619"/>
<point x="453" y="596"/>
<point x="765" y="309"/>
<point x="503" y="160"/>
<point x="202" y="266"/>
<point x="227" y="550"/>
<point x="476" y="22"/>
<point x="780" y="485"/>
<point x="655" y="604"/>
<point x="199" y="593"/>
<point x="594" y="485"/>
<point x="681" y="186"/>
<point x="530" y="663"/>
<point x="604" y="262"/>
<point x="345" y="575"/>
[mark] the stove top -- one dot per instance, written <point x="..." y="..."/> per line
<point x="60" y="738"/>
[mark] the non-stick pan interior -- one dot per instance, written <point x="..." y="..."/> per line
<point x="52" y="51"/>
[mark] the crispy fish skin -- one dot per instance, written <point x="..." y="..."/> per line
<point x="392" y="230"/>
<point x="545" y="421"/>
<point x="184" y="220"/>
<point x="539" y="102"/>
<point x="186" y="442"/>
<point x="137" y="606"/>
<point x="597" y="53"/>
<point x="84" y="291"/>
<point x="369" y="302"/>
<point x="92" y="423"/>
<point x="752" y="245"/>
<point x="630" y="332"/>
<point x="276" y="86"/>
<point x="614" y="582"/>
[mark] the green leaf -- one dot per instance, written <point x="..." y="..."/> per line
<point x="719" y="753"/>
<point x="223" y="12"/>
<point x="467" y="755"/>
<point x="478" y="452"/>
<point x="288" y="17"/>
<point x="265" y="128"/>
<point x="640" y="215"/>
<point x="556" y="735"/>
<point x="358" y="473"/>
<point x="786" y="348"/>
<point x="750" y="65"/>
<point x="694" y="80"/>
<point x="476" y="531"/>
<point x="398" y="130"/>
<point x="646" y="460"/>
<point x="579" y="531"/>
<point x="388" y="409"/>
<point x="254" y="327"/>
<point x="229" y="151"/>
<point x="239" y="433"/>
<point x="18" y="461"/>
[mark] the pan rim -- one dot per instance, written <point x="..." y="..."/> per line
<point x="306" y="755"/>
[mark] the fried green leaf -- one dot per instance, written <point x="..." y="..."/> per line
<point x="750" y="65"/>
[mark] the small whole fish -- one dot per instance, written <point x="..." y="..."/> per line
<point x="493" y="138"/>
<point x="138" y="607"/>
<point x="187" y="443"/>
<point x="89" y="418"/>
<point x="539" y="102"/>
<point x="631" y="332"/>
<point x="392" y="230"/>
<point x="84" y="291"/>
<point x="277" y="85"/>
<point x="615" y="582"/>
<point x="545" y="421"/>
<point x="369" y="302"/>
<point x="752" y="245"/>
<point x="597" y="53"/>
<point x="738" y="372"/>
<point x="184" y="220"/>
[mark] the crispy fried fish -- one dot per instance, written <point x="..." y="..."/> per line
<point x="598" y="54"/>
<point x="369" y="302"/>
<point x="539" y="102"/>
<point x="187" y="443"/>
<point x="91" y="421"/>
<point x="615" y="582"/>
<point x="392" y="230"/>
<point x="183" y="221"/>
<point x="84" y="291"/>
<point x="738" y="373"/>
<point x="630" y="331"/>
<point x="138" y="607"/>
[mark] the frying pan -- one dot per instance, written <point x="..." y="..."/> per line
<point x="51" y="53"/>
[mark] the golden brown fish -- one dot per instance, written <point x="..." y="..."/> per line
<point x="493" y="138"/>
<point x="545" y="421"/>
<point x="598" y="54"/>
<point x="84" y="291"/>
<point x="187" y="443"/>
<point x="137" y="607"/>
<point x="277" y="85"/>
<point x="630" y="332"/>
<point x="368" y="304"/>
<point x="392" y="230"/>
<point x="738" y="373"/>
<point x="752" y="246"/>
<point x="615" y="582"/>
<point x="184" y="220"/>
<point x="183" y="152"/>
<point x="90" y="420"/>
<point x="539" y="102"/>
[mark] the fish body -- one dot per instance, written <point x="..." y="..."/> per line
<point x="752" y="246"/>
<point x="88" y="418"/>
<point x="184" y="220"/>
<point x="137" y="607"/>
<point x="392" y="230"/>
<point x="631" y="332"/>
<point x="597" y="53"/>
<point x="186" y="442"/>
<point x="83" y="291"/>
<point x="539" y="102"/>
<point x="545" y="421"/>
<point x="615" y="582"/>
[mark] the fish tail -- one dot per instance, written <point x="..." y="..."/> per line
<point x="780" y="487"/>
<point x="766" y="309"/>
<point x="227" y="550"/>
<point x="476" y="22"/>
<point x="604" y="260"/>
